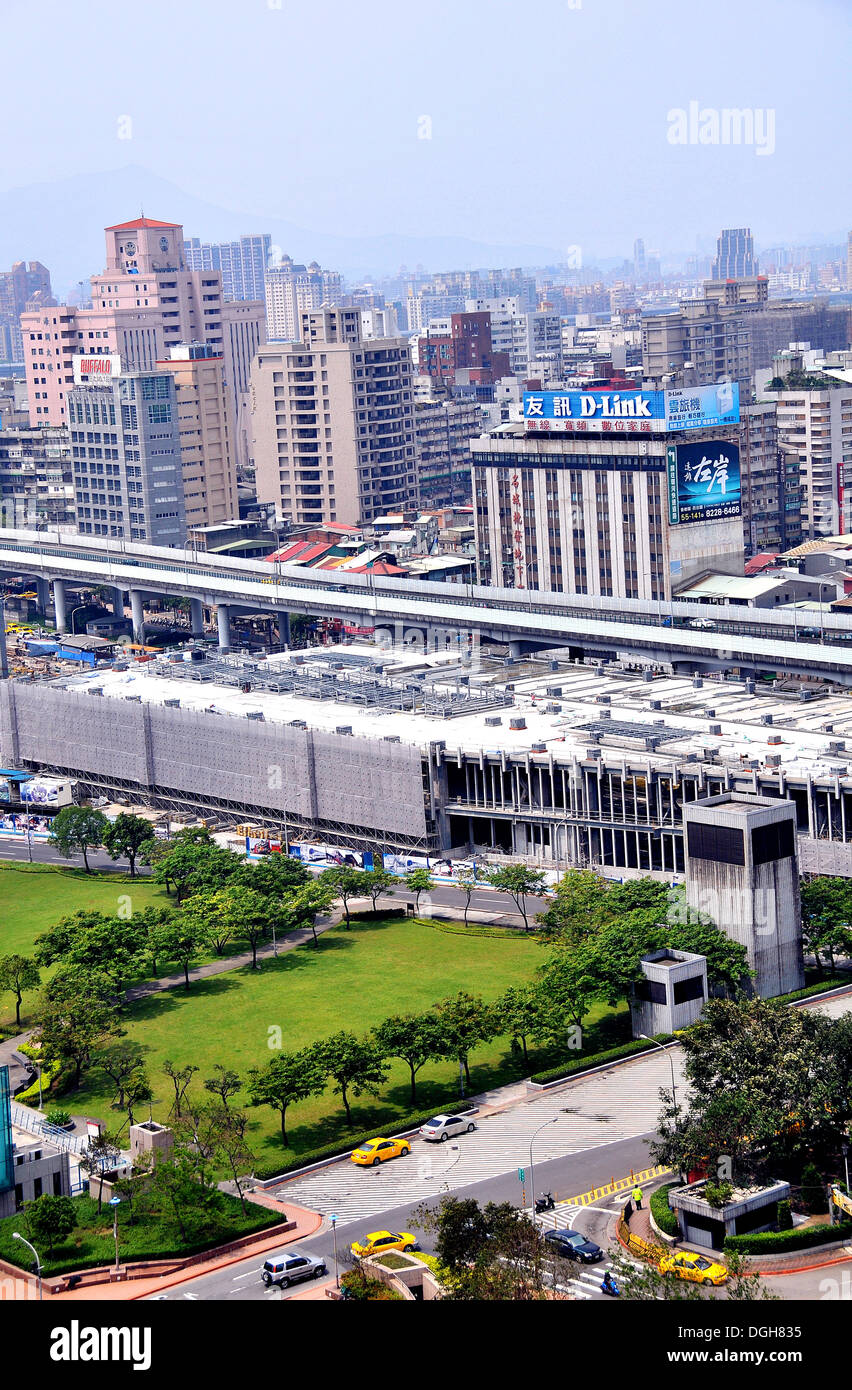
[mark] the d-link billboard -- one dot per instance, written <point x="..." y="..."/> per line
<point x="645" y="412"/>
<point x="704" y="482"/>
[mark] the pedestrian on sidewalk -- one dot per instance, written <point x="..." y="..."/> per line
<point x="637" y="1197"/>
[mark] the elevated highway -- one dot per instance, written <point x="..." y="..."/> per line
<point x="758" y="640"/>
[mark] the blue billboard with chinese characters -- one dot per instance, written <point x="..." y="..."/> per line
<point x="703" y="482"/>
<point x="644" y="412"/>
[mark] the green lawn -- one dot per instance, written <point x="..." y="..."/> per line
<point x="30" y="902"/>
<point x="139" y="1237"/>
<point x="356" y="979"/>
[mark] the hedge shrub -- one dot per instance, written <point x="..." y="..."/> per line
<point x="598" y="1059"/>
<point x="49" y="1072"/>
<point x="346" y="1143"/>
<point x="662" y="1212"/>
<point x="475" y="929"/>
<point x="821" y="987"/>
<point x="777" y="1242"/>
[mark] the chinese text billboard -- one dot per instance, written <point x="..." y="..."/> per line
<point x="703" y="482"/>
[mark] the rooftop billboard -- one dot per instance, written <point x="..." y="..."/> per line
<point x="703" y="482"/>
<point x="645" y="412"/>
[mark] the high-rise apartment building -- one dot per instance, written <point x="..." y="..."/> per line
<point x="243" y="263"/>
<point x="26" y="283"/>
<point x="771" y="484"/>
<point x="468" y="348"/>
<point x="443" y="430"/>
<point x="292" y="290"/>
<point x="333" y="423"/>
<point x="816" y="428"/>
<point x="146" y="301"/>
<point x="125" y="445"/>
<point x="640" y="265"/>
<point x="706" y="341"/>
<point x="206" y="429"/>
<point x="526" y="337"/>
<point x="849" y="261"/>
<point x="734" y="254"/>
<point x="36" y="478"/>
<point x="751" y="290"/>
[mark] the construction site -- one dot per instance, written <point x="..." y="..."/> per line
<point x="541" y="759"/>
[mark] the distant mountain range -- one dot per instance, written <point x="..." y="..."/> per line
<point x="61" y="224"/>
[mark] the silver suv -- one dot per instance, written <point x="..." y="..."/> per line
<point x="444" y="1126"/>
<point x="290" y="1267"/>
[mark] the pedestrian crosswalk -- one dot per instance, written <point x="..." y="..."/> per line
<point x="608" y="1107"/>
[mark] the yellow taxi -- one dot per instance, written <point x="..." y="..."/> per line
<point x="688" y="1264"/>
<point x="377" y="1151"/>
<point x="378" y="1241"/>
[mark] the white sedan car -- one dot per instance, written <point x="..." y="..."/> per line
<point x="442" y="1127"/>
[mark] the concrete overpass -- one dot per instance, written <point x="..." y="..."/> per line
<point x="759" y="640"/>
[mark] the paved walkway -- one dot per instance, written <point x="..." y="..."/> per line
<point x="226" y="963"/>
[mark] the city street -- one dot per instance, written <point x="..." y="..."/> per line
<point x="483" y="900"/>
<point x="572" y="1175"/>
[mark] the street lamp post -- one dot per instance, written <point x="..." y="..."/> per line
<point x="115" y="1202"/>
<point x="16" y="1235"/>
<point x="844" y="1149"/>
<point x="551" y="1121"/>
<point x="333" y="1220"/>
<point x="671" y="1064"/>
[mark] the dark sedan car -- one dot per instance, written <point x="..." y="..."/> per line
<point x="573" y="1246"/>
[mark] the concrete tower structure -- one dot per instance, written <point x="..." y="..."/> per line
<point x="742" y="870"/>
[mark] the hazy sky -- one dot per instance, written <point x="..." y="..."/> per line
<point x="549" y="119"/>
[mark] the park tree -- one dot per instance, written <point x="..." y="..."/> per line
<point x="347" y="883"/>
<point x="111" y="946"/>
<point x="224" y="1084"/>
<point x="285" y="1080"/>
<point x="302" y="906"/>
<point x="234" y="911"/>
<point x="459" y="1227"/>
<point x="100" y="1155"/>
<point x="464" y="1021"/>
<point x="228" y="1130"/>
<point x="416" y="1038"/>
<point x="355" y="1065"/>
<point x="181" y="1079"/>
<point x="76" y="830"/>
<point x="181" y="1190"/>
<point x="17" y="975"/>
<point x="149" y="922"/>
<point x="214" y="914"/>
<point x="487" y="1254"/>
<point x="827" y="919"/>
<point x="767" y="1085"/>
<point x="418" y="882"/>
<point x="568" y="986"/>
<point x="520" y="883"/>
<point x="121" y="1063"/>
<point x="192" y="862"/>
<point x="50" y="1219"/>
<point x="377" y="882"/>
<point x="524" y="1014"/>
<point x="466" y="884"/>
<point x="75" y="1017"/>
<point x="126" y="837"/>
<point x="137" y="1092"/>
<point x="575" y="909"/>
<point x="183" y="938"/>
<point x="275" y="875"/>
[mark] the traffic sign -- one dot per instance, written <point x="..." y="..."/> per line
<point x="521" y="1174"/>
